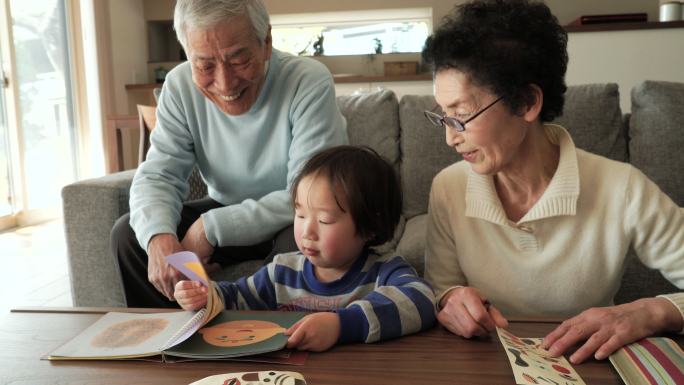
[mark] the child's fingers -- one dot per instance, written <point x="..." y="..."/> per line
<point x="186" y="285"/>
<point x="190" y="295"/>
<point x="293" y="328"/>
<point x="297" y="338"/>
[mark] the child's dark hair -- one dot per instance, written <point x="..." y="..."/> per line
<point x="369" y="184"/>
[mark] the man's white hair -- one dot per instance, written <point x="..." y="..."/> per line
<point x="203" y="14"/>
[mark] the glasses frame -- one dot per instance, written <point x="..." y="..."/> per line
<point x="452" y="122"/>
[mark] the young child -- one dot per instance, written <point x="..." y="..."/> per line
<point x="346" y="200"/>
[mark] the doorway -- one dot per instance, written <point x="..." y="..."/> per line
<point x="38" y="137"/>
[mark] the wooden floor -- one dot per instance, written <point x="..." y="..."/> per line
<point x="35" y="267"/>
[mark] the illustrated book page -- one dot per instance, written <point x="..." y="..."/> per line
<point x="129" y="335"/>
<point x="238" y="333"/>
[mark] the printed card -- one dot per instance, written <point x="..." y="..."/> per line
<point x="532" y="365"/>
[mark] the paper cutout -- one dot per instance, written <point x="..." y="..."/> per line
<point x="254" y="378"/>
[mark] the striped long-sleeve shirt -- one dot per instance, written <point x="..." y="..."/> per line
<point x="380" y="297"/>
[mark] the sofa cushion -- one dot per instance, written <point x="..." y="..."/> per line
<point x="638" y="281"/>
<point x="656" y="130"/>
<point x="423" y="150"/>
<point x="372" y="120"/>
<point x="412" y="244"/>
<point x="593" y="118"/>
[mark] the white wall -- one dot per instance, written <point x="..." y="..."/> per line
<point x="626" y="58"/>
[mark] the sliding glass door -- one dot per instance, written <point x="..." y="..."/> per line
<point x="6" y="206"/>
<point x="43" y="135"/>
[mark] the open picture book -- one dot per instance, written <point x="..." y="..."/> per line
<point x="210" y="333"/>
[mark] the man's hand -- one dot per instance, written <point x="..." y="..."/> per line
<point x="607" y="329"/>
<point x="162" y="275"/>
<point x="195" y="240"/>
<point x="465" y="312"/>
<point x="316" y="332"/>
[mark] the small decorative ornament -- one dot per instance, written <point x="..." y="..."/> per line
<point x="160" y="74"/>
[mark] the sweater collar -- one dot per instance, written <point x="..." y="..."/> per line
<point x="560" y="197"/>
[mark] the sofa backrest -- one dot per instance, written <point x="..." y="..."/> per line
<point x="593" y="118"/>
<point x="423" y="152"/>
<point x="373" y="121"/>
<point x="656" y="130"/>
<point x="656" y="140"/>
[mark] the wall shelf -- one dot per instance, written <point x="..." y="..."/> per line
<point x="624" y="26"/>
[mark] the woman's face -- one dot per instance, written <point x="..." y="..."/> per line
<point x="491" y="141"/>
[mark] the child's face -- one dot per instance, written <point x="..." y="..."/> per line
<point x="324" y="233"/>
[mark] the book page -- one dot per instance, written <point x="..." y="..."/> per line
<point x="189" y="265"/>
<point x="238" y="333"/>
<point x="182" y="334"/>
<point x="650" y="360"/>
<point x="124" y="335"/>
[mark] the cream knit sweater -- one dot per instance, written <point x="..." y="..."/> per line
<point x="568" y="252"/>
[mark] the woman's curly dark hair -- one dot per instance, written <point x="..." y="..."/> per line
<point x="505" y="46"/>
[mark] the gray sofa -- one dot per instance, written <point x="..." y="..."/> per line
<point x="651" y="138"/>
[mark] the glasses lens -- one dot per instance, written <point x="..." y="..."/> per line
<point x="433" y="118"/>
<point x="454" y="123"/>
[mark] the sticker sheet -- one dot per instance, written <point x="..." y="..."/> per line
<point x="532" y="365"/>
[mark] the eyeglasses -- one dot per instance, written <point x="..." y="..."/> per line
<point x="450" y="121"/>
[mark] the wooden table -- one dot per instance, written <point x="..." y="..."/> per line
<point x="431" y="357"/>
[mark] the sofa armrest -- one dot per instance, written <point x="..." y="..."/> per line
<point x="90" y="209"/>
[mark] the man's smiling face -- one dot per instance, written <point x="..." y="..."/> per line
<point x="229" y="63"/>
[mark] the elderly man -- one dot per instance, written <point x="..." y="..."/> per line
<point x="248" y="116"/>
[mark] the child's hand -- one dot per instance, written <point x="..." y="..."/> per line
<point x="191" y="295"/>
<point x="316" y="332"/>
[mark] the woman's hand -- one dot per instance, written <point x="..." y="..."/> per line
<point x="465" y="312"/>
<point x="316" y="332"/>
<point x="607" y="329"/>
<point x="191" y="295"/>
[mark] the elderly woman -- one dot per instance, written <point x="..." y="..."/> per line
<point x="528" y="225"/>
<point x="248" y="117"/>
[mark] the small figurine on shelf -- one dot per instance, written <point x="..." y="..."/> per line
<point x="378" y="45"/>
<point x="318" y="46"/>
<point x="160" y="74"/>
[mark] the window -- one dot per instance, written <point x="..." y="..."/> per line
<point x="352" y="33"/>
<point x="37" y="132"/>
